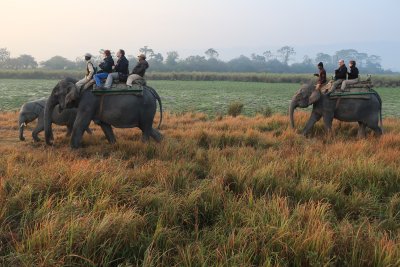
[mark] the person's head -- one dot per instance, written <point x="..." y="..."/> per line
<point x="320" y="65"/>
<point x="120" y="53"/>
<point x="341" y="62"/>
<point x="142" y="57"/>
<point x="88" y="56"/>
<point x="352" y="63"/>
<point x="107" y="53"/>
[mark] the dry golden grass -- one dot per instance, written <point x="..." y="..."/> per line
<point x="228" y="191"/>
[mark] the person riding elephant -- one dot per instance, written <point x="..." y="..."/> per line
<point x="121" y="70"/>
<point x="353" y="75"/>
<point x="321" y="81"/>
<point x="106" y="68"/>
<point x="340" y="75"/>
<point x="138" y="71"/>
<point x="118" y="110"/>
<point x="367" y="112"/>
<point x="90" y="71"/>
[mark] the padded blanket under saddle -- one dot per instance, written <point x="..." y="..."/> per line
<point x="120" y="89"/>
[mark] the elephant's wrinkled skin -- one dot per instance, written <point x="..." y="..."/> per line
<point x="367" y="112"/>
<point x="33" y="110"/>
<point x="121" y="111"/>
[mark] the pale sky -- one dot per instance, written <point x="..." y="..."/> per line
<point x="44" y="28"/>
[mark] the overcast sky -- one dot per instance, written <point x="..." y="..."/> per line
<point x="44" y="28"/>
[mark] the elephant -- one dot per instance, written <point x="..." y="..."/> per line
<point x="118" y="110"/>
<point x="35" y="110"/>
<point x="367" y="112"/>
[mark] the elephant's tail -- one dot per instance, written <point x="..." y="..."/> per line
<point x="380" y="108"/>
<point x="155" y="94"/>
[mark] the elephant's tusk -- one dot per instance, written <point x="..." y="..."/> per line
<point x="22" y="125"/>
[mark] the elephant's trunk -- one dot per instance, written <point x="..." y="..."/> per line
<point x="21" y="125"/>
<point x="48" y="111"/>
<point x="292" y="107"/>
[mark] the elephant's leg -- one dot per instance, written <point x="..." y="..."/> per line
<point x="146" y="132"/>
<point x="377" y="130"/>
<point x="39" y="128"/>
<point x="310" y="123"/>
<point x="361" y="130"/>
<point x="328" y="118"/>
<point x="21" y="132"/>
<point x="81" y="123"/>
<point x="69" y="131"/>
<point x="156" y="135"/>
<point x="108" y="132"/>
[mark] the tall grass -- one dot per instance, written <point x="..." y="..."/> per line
<point x="230" y="191"/>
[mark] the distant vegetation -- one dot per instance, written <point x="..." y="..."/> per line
<point x="280" y="61"/>
<point x="379" y="80"/>
<point x="216" y="192"/>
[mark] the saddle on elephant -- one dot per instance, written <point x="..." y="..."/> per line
<point x="361" y="89"/>
<point x="118" y="88"/>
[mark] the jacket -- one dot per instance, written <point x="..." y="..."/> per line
<point x="353" y="74"/>
<point x="341" y="73"/>
<point x="89" y="70"/>
<point x="322" y="76"/>
<point x="107" y="64"/>
<point x="122" y="67"/>
<point x="140" y="68"/>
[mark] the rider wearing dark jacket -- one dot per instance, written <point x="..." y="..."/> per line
<point x="108" y="62"/>
<point x="140" y="67"/>
<point x="122" y="67"/>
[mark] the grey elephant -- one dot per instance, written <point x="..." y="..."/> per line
<point x="33" y="110"/>
<point x="367" y="112"/>
<point x="118" y="110"/>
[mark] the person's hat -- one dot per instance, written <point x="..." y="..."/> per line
<point x="88" y="55"/>
<point x="142" y="56"/>
<point x="320" y="64"/>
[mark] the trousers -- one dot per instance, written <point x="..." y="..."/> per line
<point x="131" y="78"/>
<point x="349" y="82"/>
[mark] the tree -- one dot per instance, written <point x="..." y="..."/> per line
<point x="4" y="56"/>
<point x="257" y="58"/>
<point x="268" y="55"/>
<point x="285" y="54"/>
<point x="211" y="53"/>
<point x="27" y="61"/>
<point x="158" y="57"/>
<point x="146" y="50"/>
<point x="172" y="58"/>
<point x="324" y="58"/>
<point x="58" y="63"/>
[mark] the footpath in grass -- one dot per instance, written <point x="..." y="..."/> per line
<point x="244" y="191"/>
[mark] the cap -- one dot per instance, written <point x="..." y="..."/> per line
<point x="88" y="55"/>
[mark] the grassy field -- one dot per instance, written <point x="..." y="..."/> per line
<point x="210" y="97"/>
<point x="244" y="191"/>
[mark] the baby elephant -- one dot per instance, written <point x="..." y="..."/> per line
<point x="35" y="110"/>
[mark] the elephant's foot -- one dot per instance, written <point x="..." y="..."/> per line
<point x="21" y="138"/>
<point x="35" y="138"/>
<point x="145" y="138"/>
<point x="157" y="136"/>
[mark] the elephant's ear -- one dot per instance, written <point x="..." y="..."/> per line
<point x="314" y="97"/>
<point x="73" y="94"/>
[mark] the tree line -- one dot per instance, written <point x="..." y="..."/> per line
<point x="280" y="61"/>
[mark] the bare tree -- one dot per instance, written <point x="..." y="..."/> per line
<point x="211" y="53"/>
<point x="285" y="54"/>
<point x="268" y="55"/>
<point x="146" y="50"/>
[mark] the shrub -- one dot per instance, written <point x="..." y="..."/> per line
<point x="235" y="109"/>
